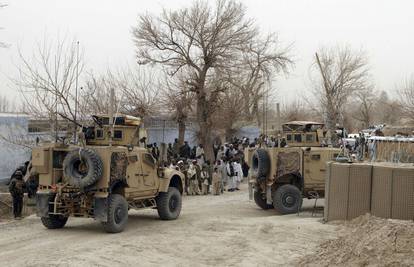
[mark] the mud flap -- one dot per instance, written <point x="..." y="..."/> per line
<point x="42" y="205"/>
<point x="269" y="200"/>
<point x="100" y="210"/>
<point x="250" y="191"/>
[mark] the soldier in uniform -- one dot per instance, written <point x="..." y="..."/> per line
<point x="16" y="188"/>
<point x="170" y="153"/>
<point x="175" y="148"/>
<point x="193" y="179"/>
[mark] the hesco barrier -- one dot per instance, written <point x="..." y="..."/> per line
<point x="384" y="190"/>
<point x="347" y="191"/>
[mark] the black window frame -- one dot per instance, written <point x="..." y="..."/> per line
<point x="98" y="136"/>
<point x="115" y="134"/>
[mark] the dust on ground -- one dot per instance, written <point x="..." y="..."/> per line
<point x="227" y="230"/>
<point x="367" y="241"/>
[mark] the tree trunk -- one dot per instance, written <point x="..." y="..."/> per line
<point x="255" y="111"/>
<point x="246" y="106"/>
<point x="229" y="133"/>
<point x="203" y="118"/>
<point x="181" y="132"/>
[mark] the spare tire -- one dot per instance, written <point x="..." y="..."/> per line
<point x="260" y="163"/>
<point x="82" y="167"/>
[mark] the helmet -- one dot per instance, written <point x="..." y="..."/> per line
<point x="18" y="173"/>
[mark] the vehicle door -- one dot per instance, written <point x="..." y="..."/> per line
<point x="150" y="181"/>
<point x="315" y="166"/>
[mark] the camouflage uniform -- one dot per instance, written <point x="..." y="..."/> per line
<point x="16" y="188"/>
<point x="193" y="180"/>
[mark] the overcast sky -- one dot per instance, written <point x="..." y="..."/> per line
<point x="385" y="29"/>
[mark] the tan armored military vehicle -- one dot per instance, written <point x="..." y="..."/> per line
<point x="104" y="176"/>
<point x="282" y="176"/>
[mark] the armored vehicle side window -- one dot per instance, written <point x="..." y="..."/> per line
<point x="298" y="138"/>
<point x="99" y="134"/>
<point x="316" y="157"/>
<point x="118" y="134"/>
<point x="309" y="138"/>
<point x="149" y="159"/>
<point x="289" y="137"/>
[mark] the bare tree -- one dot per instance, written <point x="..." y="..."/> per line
<point x="406" y="98"/>
<point x="200" y="39"/>
<point x="341" y="72"/>
<point x="94" y="96"/>
<point x="5" y="104"/>
<point x="229" y="111"/>
<point x="178" y="100"/>
<point x="387" y="110"/>
<point x="295" y="111"/>
<point x="260" y="61"/>
<point x="137" y="92"/>
<point x="365" y="100"/>
<point x="47" y="80"/>
<point x="2" y="45"/>
<point x="139" y="89"/>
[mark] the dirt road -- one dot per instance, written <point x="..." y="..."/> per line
<point x="226" y="230"/>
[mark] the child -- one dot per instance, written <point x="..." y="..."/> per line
<point x="216" y="181"/>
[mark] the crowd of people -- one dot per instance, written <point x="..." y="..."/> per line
<point x="202" y="176"/>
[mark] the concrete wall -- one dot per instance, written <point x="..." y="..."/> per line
<point x="160" y="131"/>
<point x="13" y="128"/>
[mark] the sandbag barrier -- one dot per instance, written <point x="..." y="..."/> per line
<point x="385" y="190"/>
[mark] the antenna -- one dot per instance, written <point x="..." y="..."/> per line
<point x="56" y="119"/>
<point x="112" y="117"/>
<point x="76" y="92"/>
<point x="279" y="128"/>
<point x="111" y="113"/>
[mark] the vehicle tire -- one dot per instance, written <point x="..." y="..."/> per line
<point x="54" y="221"/>
<point x="117" y="214"/>
<point x="287" y="199"/>
<point x="260" y="163"/>
<point x="169" y="204"/>
<point x="82" y="167"/>
<point x="260" y="201"/>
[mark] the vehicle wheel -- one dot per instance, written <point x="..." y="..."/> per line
<point x="169" y="204"/>
<point x="117" y="214"/>
<point x="54" y="221"/>
<point x="260" y="163"/>
<point x="260" y="201"/>
<point x="82" y="167"/>
<point x="287" y="199"/>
